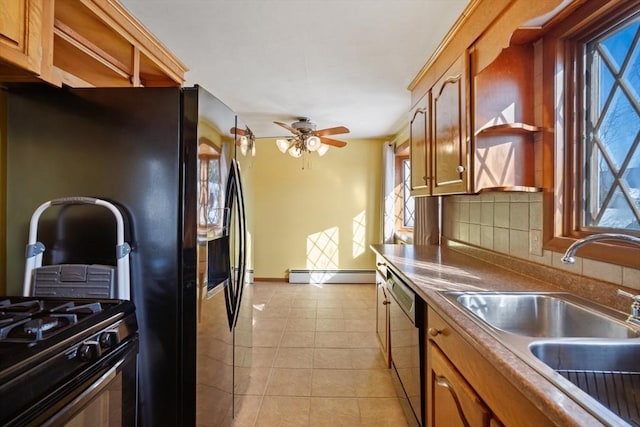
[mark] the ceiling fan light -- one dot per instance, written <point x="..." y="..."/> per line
<point x="322" y="150"/>
<point x="313" y="143"/>
<point x="283" y="145"/>
<point x="253" y="149"/>
<point x="295" y="151"/>
<point x="243" y="142"/>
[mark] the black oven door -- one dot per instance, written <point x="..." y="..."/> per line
<point x="105" y="394"/>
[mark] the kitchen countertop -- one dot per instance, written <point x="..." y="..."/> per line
<point x="431" y="269"/>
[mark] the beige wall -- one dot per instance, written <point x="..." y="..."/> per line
<point x="511" y="223"/>
<point x="324" y="216"/>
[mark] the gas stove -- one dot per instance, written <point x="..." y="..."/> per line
<point x="32" y="321"/>
<point x="50" y="346"/>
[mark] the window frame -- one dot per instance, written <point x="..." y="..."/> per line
<point x="406" y="194"/>
<point x="562" y="82"/>
<point x="400" y="158"/>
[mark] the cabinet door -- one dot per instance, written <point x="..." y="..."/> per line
<point x="382" y="317"/>
<point x="449" y="127"/>
<point x="420" y="155"/>
<point x="452" y="401"/>
<point x="21" y="23"/>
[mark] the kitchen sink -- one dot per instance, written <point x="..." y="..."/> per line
<point x="548" y="315"/>
<point x="607" y="371"/>
<point x="588" y="350"/>
<point x="592" y="356"/>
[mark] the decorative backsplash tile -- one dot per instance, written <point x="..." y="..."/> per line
<point x="511" y="224"/>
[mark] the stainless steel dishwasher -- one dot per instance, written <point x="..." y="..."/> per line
<point x="406" y="322"/>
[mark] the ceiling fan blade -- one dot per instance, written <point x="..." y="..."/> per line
<point x="332" y="142"/>
<point x="332" y="131"/>
<point x="238" y="131"/>
<point x="289" y="128"/>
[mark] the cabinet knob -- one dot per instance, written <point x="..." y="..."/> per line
<point x="386" y="302"/>
<point x="381" y="264"/>
<point x="460" y="169"/>
<point x="434" y="332"/>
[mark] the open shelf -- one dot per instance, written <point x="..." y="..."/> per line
<point x="508" y="128"/>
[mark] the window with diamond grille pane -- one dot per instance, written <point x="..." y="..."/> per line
<point x="612" y="129"/>
<point x="408" y="211"/>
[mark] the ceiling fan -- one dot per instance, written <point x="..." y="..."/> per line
<point x="307" y="138"/>
<point x="246" y="140"/>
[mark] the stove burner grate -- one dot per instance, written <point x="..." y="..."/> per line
<point x="35" y="320"/>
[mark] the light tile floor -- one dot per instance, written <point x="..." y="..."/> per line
<point x="316" y="359"/>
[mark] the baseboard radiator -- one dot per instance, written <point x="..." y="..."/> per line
<point x="332" y="276"/>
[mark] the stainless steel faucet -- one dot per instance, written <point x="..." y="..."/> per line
<point x="568" y="258"/>
<point x="634" y="316"/>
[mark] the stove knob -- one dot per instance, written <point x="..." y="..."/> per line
<point x="89" y="351"/>
<point x="108" y="339"/>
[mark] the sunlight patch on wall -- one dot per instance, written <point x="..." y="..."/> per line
<point x="507" y="115"/>
<point x="322" y="250"/>
<point x="359" y="229"/>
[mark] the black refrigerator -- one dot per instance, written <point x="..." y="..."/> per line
<point x="163" y="156"/>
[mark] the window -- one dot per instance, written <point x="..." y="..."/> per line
<point x="611" y="151"/>
<point x="210" y="192"/>
<point x="590" y="62"/>
<point x="408" y="210"/>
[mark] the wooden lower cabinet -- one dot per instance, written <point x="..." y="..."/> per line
<point x="382" y="310"/>
<point x="382" y="320"/>
<point x="452" y="401"/>
<point x="462" y="388"/>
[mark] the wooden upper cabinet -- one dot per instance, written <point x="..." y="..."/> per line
<point x="420" y="148"/>
<point x="483" y="132"/>
<point x="449" y="127"/>
<point x="82" y="43"/>
<point x="21" y="35"/>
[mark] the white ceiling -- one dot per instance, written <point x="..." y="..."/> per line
<point x="338" y="62"/>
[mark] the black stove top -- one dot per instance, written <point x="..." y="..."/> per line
<point x="49" y="346"/>
<point x="30" y="327"/>
<point x="32" y="321"/>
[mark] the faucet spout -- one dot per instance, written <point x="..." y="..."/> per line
<point x="568" y="257"/>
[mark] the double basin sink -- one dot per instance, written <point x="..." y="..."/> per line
<point x="588" y="350"/>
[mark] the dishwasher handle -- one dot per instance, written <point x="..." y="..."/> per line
<point x="403" y="296"/>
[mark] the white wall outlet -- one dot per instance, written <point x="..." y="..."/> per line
<point x="535" y="242"/>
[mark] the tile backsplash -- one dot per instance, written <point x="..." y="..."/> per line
<point x="511" y="224"/>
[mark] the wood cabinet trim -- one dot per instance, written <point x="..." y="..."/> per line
<point x="489" y="22"/>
